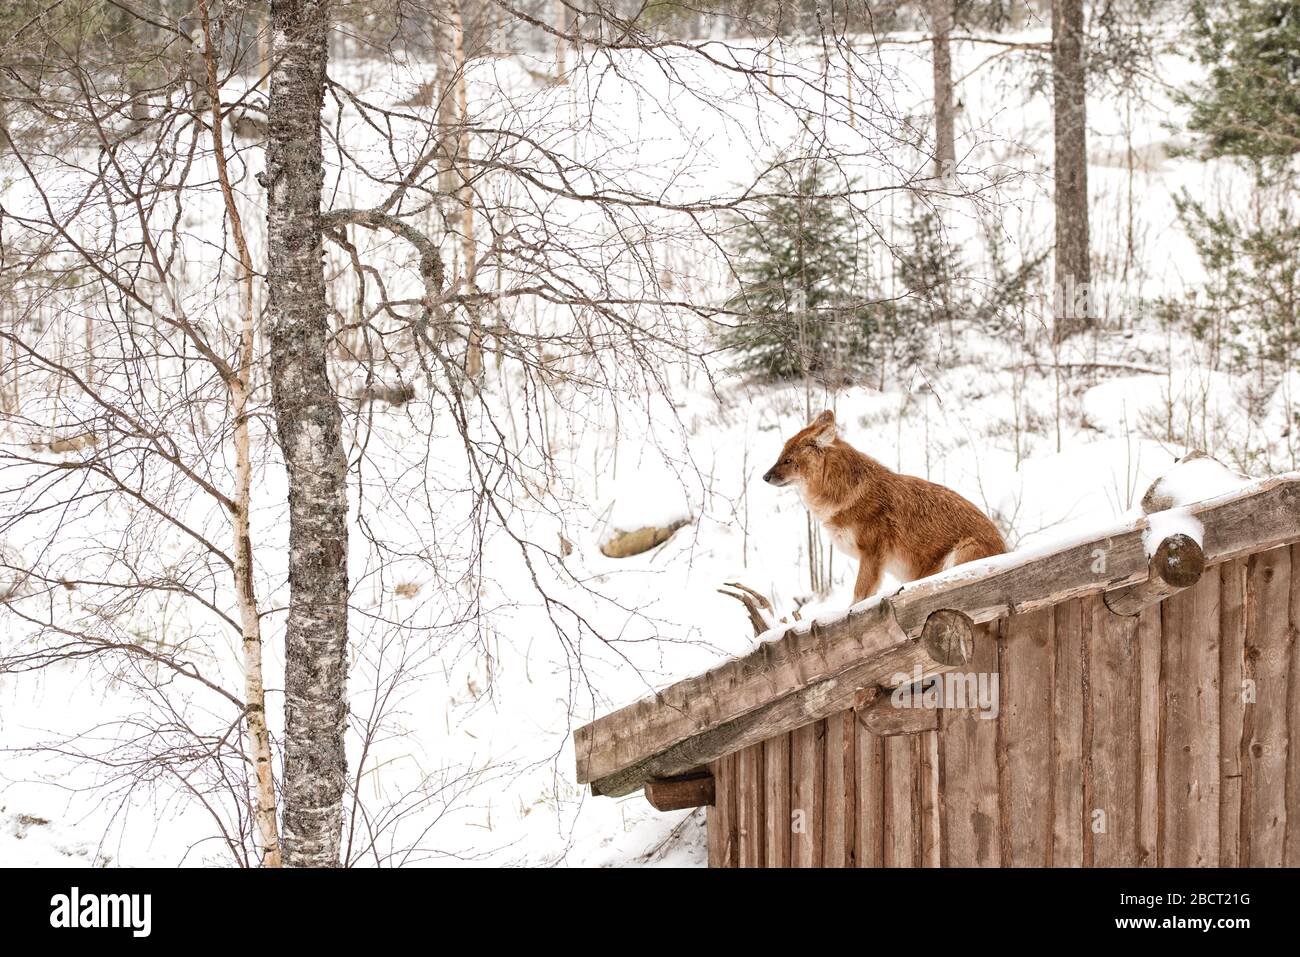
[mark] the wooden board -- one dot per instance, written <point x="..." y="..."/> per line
<point x="877" y="712"/>
<point x="1232" y="656"/>
<point x="750" y="792"/>
<point x="928" y="773"/>
<point x="968" y="740"/>
<point x="1189" y="822"/>
<point x="839" y="848"/>
<point x="1264" y="722"/>
<point x="803" y="675"/>
<point x="1112" y="735"/>
<point x="1150" y="722"/>
<point x="724" y="845"/>
<point x="776" y="801"/>
<point x="869" y="762"/>
<point x="807" y="794"/>
<point x="676" y="794"/>
<point x="1025" y="740"/>
<point x="1066" y="771"/>
<point x="901" y="846"/>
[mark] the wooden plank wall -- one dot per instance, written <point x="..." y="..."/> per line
<point x="1157" y="740"/>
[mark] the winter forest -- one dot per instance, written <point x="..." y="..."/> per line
<point x="386" y="387"/>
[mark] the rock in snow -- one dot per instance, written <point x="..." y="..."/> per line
<point x="621" y="544"/>
<point x="647" y="507"/>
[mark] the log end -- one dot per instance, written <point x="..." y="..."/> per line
<point x="876" y="712"/>
<point x="694" y="789"/>
<point x="1178" y="561"/>
<point x="949" y="637"/>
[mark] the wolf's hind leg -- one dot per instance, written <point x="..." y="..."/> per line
<point x="966" y="550"/>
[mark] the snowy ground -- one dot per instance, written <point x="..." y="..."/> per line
<point x="476" y="747"/>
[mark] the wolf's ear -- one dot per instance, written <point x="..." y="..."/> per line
<point x="823" y="428"/>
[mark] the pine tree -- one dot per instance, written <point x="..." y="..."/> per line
<point x="1248" y="109"/>
<point x="930" y="269"/>
<point x="1252" y="265"/>
<point x="804" y="298"/>
<point x="1248" y="106"/>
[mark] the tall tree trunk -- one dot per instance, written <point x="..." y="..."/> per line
<point x="1073" y="271"/>
<point x="945" y="149"/>
<point x="561" y="44"/>
<point x="263" y="47"/>
<point x="237" y="381"/>
<point x="465" y="193"/>
<point x="309" y="425"/>
<point x="126" y="51"/>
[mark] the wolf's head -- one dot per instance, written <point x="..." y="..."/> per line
<point x="803" y="452"/>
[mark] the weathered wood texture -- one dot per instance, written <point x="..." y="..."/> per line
<point x="1189" y="762"/>
<point x="816" y="670"/>
<point x="723" y="823"/>
<point x="877" y="713"/>
<point x="1177" y="563"/>
<point x="808" y="673"/>
<point x="679" y="793"/>
<point x="969" y="796"/>
<point x="1156" y="739"/>
<point x="807" y="795"/>
<point x="776" y="801"/>
<point x="750" y="795"/>
<point x="1266" y="681"/>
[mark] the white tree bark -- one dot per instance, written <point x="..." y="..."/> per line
<point x="309" y="426"/>
<point x="237" y="381"/>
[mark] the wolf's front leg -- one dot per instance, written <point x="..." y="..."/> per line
<point x="868" y="579"/>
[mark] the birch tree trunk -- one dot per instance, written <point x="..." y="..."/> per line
<point x="237" y="382"/>
<point x="945" y="149"/>
<point x="1073" y="270"/>
<point x="309" y="426"/>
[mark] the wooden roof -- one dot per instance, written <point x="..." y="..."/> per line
<point x="804" y="672"/>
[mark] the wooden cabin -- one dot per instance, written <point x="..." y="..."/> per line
<point x="1147" y="700"/>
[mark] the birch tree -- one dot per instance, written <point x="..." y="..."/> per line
<point x="309" y="425"/>
<point x="239" y="381"/>
<point x="143" y="437"/>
